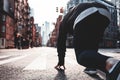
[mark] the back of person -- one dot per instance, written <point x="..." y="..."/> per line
<point x="89" y="32"/>
<point x="89" y="27"/>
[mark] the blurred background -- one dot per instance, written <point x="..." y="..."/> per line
<point x="35" y="23"/>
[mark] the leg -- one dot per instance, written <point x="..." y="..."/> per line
<point x="92" y="59"/>
<point x="87" y="35"/>
<point x="113" y="67"/>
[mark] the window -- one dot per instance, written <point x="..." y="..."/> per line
<point x="2" y="41"/>
<point x="3" y="18"/>
<point x="3" y="28"/>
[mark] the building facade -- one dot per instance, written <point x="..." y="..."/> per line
<point x="16" y="24"/>
<point x="24" y="24"/>
<point x="45" y="32"/>
<point x="54" y="34"/>
<point x="117" y="6"/>
<point x="7" y="23"/>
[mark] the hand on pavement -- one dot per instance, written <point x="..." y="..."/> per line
<point x="62" y="67"/>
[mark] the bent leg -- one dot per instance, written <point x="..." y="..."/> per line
<point x="87" y="35"/>
<point x="91" y="59"/>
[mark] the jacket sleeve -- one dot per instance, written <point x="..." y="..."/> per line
<point x="61" y="40"/>
<point x="61" y="44"/>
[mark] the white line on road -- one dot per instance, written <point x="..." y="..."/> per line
<point x="4" y="56"/>
<point x="11" y="59"/>
<point x="37" y="64"/>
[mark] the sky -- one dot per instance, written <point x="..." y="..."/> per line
<point x="45" y="10"/>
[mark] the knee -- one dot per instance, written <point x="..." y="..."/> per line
<point x="81" y="58"/>
<point x="84" y="57"/>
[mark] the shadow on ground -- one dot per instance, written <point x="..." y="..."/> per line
<point x="60" y="75"/>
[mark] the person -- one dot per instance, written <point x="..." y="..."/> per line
<point x="87" y="23"/>
<point x="15" y="38"/>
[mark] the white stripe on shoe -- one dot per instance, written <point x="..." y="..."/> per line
<point x="113" y="67"/>
<point x="118" y="78"/>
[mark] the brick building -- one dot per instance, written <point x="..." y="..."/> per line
<point x="6" y="23"/>
<point x="15" y="19"/>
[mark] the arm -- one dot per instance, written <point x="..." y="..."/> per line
<point x="61" y="40"/>
<point x="61" y="44"/>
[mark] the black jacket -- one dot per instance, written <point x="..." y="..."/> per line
<point x="67" y="23"/>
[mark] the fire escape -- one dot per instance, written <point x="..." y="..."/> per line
<point x="22" y="19"/>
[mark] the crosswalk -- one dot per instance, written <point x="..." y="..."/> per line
<point x="8" y="58"/>
<point x="41" y="60"/>
<point x="38" y="63"/>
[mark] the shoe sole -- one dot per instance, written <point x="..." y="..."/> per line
<point x="91" y="72"/>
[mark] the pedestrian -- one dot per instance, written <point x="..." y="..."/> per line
<point x="87" y="23"/>
<point x="19" y="40"/>
<point x="15" y="38"/>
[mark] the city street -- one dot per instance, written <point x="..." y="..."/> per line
<point x="38" y="64"/>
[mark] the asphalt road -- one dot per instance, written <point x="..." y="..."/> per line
<point x="38" y="64"/>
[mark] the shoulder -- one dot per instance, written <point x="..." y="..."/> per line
<point x="99" y="4"/>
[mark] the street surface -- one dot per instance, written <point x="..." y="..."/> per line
<point x="38" y="64"/>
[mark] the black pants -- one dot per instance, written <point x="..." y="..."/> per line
<point x="91" y="59"/>
<point x="87" y="35"/>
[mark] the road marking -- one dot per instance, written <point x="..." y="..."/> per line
<point x="37" y="64"/>
<point x="4" y="56"/>
<point x="11" y="59"/>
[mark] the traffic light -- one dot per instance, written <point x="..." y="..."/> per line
<point x="56" y="9"/>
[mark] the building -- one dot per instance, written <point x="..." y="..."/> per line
<point x="16" y="24"/>
<point x="38" y="38"/>
<point x="32" y="32"/>
<point x="45" y="32"/>
<point x="117" y="7"/>
<point x="7" y="23"/>
<point x="22" y="20"/>
<point x="54" y="34"/>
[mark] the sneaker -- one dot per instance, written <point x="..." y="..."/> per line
<point x="90" y="71"/>
<point x="114" y="73"/>
<point x="118" y="78"/>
